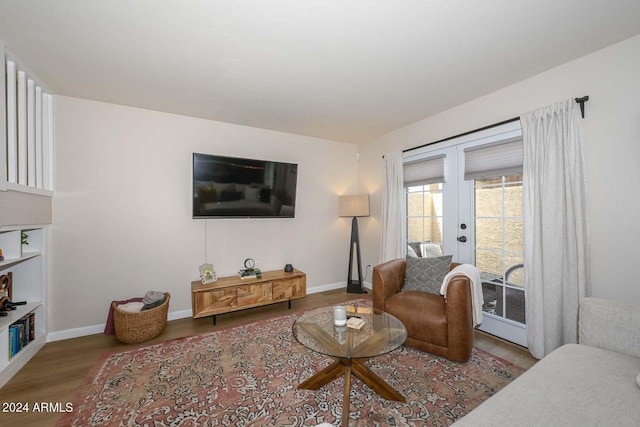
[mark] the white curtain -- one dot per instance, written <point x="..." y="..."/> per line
<point x="556" y="244"/>
<point x="392" y="198"/>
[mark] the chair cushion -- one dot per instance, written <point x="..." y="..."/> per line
<point x="423" y="314"/>
<point x="411" y="252"/>
<point x="415" y="247"/>
<point x="426" y="274"/>
<point x="430" y="250"/>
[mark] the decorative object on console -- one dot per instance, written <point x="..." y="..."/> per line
<point x="250" y="271"/>
<point x="354" y="206"/>
<point x="288" y="268"/>
<point x="1" y="256"/>
<point x="207" y="274"/>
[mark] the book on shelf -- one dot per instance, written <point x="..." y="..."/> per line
<point x="16" y="332"/>
<point x="12" y="333"/>
<point x="25" y="330"/>
<point x="32" y="326"/>
<point x="21" y="333"/>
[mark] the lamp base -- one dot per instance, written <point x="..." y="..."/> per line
<point x="354" y="287"/>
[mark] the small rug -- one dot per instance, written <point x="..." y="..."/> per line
<point x="248" y="376"/>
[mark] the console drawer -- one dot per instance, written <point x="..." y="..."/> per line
<point x="214" y="301"/>
<point x="287" y="289"/>
<point x="254" y="294"/>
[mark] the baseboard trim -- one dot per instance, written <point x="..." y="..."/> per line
<point x="333" y="286"/>
<point x="66" y="334"/>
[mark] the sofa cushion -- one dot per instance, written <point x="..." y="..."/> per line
<point x="575" y="385"/>
<point x="610" y="325"/>
<point x="426" y="274"/>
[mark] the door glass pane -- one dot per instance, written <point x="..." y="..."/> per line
<point x="489" y="233"/>
<point x="425" y="219"/>
<point x="513" y="194"/>
<point x="514" y="275"/>
<point x="489" y="201"/>
<point x="499" y="245"/>
<point x="514" y="306"/>
<point x="493" y="298"/>
<point x="513" y="234"/>
<point x="489" y="263"/>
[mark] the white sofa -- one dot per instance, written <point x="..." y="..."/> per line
<point x="593" y="383"/>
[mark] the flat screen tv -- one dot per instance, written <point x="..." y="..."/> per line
<point x="232" y="187"/>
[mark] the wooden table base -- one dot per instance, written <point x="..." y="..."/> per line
<point x="346" y="367"/>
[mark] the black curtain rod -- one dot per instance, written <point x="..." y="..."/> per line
<point x="580" y="101"/>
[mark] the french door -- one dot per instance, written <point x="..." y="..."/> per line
<point x="475" y="214"/>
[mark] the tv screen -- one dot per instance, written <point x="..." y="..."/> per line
<point x="226" y="187"/>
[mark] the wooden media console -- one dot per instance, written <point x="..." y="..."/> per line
<point x="233" y="293"/>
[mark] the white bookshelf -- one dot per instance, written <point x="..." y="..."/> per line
<point x="27" y="265"/>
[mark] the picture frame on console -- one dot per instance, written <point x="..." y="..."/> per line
<point x="207" y="274"/>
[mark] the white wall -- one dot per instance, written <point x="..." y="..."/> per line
<point x="612" y="136"/>
<point x="122" y="221"/>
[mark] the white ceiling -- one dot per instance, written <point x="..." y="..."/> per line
<point x="347" y="70"/>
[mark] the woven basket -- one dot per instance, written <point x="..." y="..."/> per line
<point x="140" y="326"/>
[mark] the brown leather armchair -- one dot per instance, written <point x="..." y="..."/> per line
<point x="434" y="324"/>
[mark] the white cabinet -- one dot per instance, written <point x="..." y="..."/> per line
<point x="27" y="265"/>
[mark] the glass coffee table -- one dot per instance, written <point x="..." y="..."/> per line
<point x="381" y="334"/>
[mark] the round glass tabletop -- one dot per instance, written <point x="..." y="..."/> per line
<point x="380" y="334"/>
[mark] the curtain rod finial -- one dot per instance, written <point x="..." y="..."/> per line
<point x="581" y="101"/>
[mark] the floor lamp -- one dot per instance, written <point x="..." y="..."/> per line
<point x="354" y="206"/>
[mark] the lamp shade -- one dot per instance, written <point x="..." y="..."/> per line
<point x="355" y="205"/>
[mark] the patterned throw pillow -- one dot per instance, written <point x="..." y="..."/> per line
<point x="426" y="274"/>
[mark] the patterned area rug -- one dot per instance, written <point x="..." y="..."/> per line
<point x="248" y="376"/>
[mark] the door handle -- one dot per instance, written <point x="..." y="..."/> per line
<point x="462" y="239"/>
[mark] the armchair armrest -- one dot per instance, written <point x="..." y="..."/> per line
<point x="610" y="325"/>
<point x="459" y="318"/>
<point x="388" y="279"/>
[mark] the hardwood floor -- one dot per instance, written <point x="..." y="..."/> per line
<point x="58" y="370"/>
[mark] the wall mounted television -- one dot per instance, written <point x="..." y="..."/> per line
<point x="232" y="187"/>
